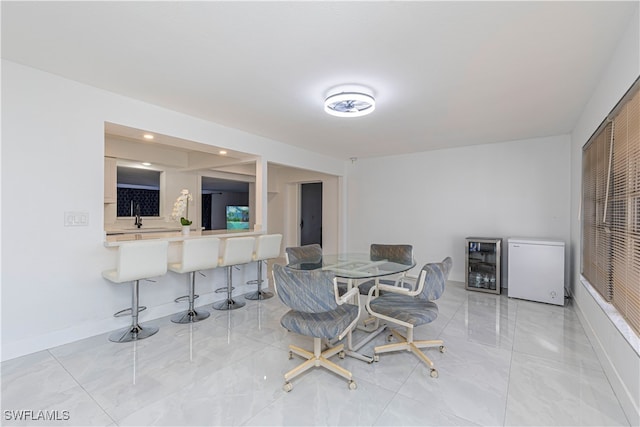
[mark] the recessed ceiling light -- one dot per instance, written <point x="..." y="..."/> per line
<point x="146" y="164"/>
<point x="147" y="136"/>
<point x="223" y="152"/>
<point x="349" y="102"/>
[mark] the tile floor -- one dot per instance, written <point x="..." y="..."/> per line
<point x="508" y="362"/>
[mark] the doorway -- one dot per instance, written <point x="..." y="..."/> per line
<point x="311" y="213"/>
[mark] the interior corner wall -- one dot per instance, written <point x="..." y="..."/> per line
<point x="434" y="200"/>
<point x="52" y="163"/>
<point x="620" y="361"/>
<point x="283" y="205"/>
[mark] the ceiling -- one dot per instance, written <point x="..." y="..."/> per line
<point x="444" y="74"/>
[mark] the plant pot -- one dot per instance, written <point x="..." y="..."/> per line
<point x="185" y="230"/>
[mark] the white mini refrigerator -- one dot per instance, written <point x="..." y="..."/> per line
<point x="535" y="270"/>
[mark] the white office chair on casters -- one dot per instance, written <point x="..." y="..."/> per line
<point x="137" y="261"/>
<point x="197" y="254"/>
<point x="267" y="247"/>
<point x="237" y="250"/>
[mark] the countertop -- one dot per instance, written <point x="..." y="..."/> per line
<point x="175" y="236"/>
<point x="133" y="230"/>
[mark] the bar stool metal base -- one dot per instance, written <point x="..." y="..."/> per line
<point x="228" y="304"/>
<point x="258" y="295"/>
<point x="190" y="316"/>
<point x="133" y="333"/>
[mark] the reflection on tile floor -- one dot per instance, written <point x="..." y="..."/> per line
<point x="508" y="362"/>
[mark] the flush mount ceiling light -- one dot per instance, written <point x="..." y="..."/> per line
<point x="349" y="103"/>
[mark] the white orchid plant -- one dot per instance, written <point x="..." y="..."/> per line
<point x="181" y="207"/>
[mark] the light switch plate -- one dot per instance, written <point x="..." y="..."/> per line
<point x="76" y="219"/>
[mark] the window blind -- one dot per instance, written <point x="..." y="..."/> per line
<point x="611" y="209"/>
<point x="596" y="242"/>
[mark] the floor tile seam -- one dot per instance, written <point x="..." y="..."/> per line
<point x="204" y="339"/>
<point x="82" y="387"/>
<point x="382" y="386"/>
<point x="256" y="416"/>
<point x="404" y="396"/>
<point x="147" y="363"/>
<point x="506" y="402"/>
<point x="262" y="339"/>
<point x="460" y="305"/>
<point x="561" y="362"/>
<point x="384" y="409"/>
<point x="484" y="345"/>
<point x="604" y="372"/>
<point x="118" y="420"/>
<point x="266" y="403"/>
<point x="471" y="422"/>
<point x="250" y="354"/>
<point x="613" y="390"/>
<point x="204" y="332"/>
<point x="372" y="385"/>
<point x="176" y="366"/>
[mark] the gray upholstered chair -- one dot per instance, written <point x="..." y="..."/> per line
<point x="316" y="311"/>
<point x="401" y="254"/>
<point x="411" y="308"/>
<point x="307" y="253"/>
<point x="311" y="254"/>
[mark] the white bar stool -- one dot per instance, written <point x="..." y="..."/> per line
<point x="197" y="254"/>
<point x="137" y="261"/>
<point x="237" y="250"/>
<point x="267" y="247"/>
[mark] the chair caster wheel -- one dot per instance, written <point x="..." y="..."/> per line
<point x="290" y="355"/>
<point x="443" y="349"/>
<point x="342" y="355"/>
<point x="352" y="385"/>
<point x="287" y="387"/>
<point x="389" y="338"/>
<point x="433" y="373"/>
<point x="376" y="358"/>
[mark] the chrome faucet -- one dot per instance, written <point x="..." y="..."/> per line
<point x="138" y="222"/>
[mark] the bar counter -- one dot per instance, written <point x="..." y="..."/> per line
<point x="115" y="240"/>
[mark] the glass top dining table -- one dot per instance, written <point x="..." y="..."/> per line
<point x="353" y="265"/>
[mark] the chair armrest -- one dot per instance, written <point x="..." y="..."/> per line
<point x="351" y="293"/>
<point x="389" y="288"/>
<point x="406" y="279"/>
<point x="347" y="296"/>
<point x="399" y="289"/>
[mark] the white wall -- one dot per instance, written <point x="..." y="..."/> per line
<point x="434" y="200"/>
<point x="284" y="205"/>
<point x="52" y="162"/>
<point x="619" y="360"/>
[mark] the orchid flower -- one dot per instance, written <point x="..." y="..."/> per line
<point x="181" y="207"/>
